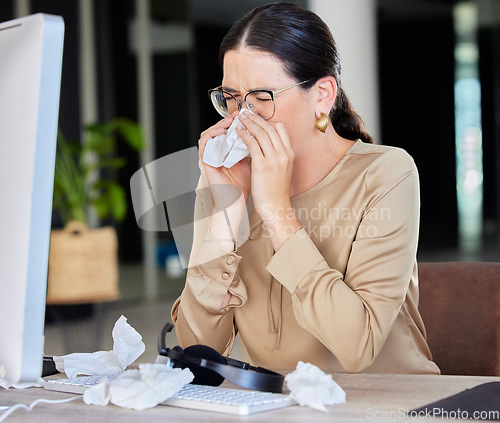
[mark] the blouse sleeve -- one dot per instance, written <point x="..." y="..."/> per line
<point x="212" y="273"/>
<point x="352" y="314"/>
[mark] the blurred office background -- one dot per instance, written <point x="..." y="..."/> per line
<point x="424" y="75"/>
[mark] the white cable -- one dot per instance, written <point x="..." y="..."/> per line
<point x="15" y="407"/>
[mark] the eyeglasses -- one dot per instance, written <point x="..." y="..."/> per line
<point x="258" y="101"/>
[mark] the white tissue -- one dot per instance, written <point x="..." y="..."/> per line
<point x="139" y="389"/>
<point x="127" y="347"/>
<point x="226" y="149"/>
<point x="22" y="385"/>
<point x="312" y="387"/>
<point x="4" y="383"/>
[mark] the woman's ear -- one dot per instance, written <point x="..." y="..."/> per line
<point x="327" y="92"/>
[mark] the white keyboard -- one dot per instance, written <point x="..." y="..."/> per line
<point x="197" y="397"/>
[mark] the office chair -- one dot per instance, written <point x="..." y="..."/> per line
<point x="460" y="306"/>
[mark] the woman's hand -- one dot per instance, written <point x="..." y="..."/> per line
<point x="272" y="165"/>
<point x="238" y="175"/>
<point x="230" y="203"/>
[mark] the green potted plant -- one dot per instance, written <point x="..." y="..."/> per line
<point x="83" y="261"/>
<point x="74" y="192"/>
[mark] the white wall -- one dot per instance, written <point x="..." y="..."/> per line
<point x="353" y="25"/>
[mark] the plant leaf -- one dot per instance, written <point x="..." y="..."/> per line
<point x="131" y="132"/>
<point x="78" y="163"/>
<point x="98" y="143"/>
<point x="117" y="201"/>
<point x="102" y="207"/>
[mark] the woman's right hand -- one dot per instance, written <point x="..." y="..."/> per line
<point x="238" y="175"/>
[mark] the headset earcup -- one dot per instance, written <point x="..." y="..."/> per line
<point x="203" y="376"/>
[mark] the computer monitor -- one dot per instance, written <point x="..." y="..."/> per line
<point x="30" y="75"/>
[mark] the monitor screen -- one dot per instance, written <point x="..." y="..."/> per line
<point x="30" y="75"/>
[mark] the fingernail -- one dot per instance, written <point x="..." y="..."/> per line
<point x="240" y="127"/>
<point x="244" y="115"/>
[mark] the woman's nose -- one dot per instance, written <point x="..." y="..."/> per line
<point x="243" y="103"/>
<point x="240" y="104"/>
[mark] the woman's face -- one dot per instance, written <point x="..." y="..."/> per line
<point x="248" y="70"/>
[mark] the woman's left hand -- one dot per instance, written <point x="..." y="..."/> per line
<point x="272" y="165"/>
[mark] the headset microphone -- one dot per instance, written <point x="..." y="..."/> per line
<point x="211" y="368"/>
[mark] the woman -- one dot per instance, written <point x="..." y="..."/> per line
<point x="328" y="274"/>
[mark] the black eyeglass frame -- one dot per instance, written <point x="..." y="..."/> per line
<point x="240" y="102"/>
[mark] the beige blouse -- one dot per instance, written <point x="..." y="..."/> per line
<point x="341" y="293"/>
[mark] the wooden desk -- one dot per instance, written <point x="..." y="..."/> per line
<point x="369" y="397"/>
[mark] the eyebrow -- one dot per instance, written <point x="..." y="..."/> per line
<point x="232" y="90"/>
<point x="229" y="90"/>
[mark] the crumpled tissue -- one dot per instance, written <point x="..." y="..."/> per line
<point x="141" y="388"/>
<point x="4" y="383"/>
<point x="311" y="387"/>
<point x="127" y="347"/>
<point x="226" y="149"/>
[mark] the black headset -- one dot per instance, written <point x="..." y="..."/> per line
<point x="211" y="368"/>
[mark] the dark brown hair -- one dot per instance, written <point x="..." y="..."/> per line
<point x="305" y="46"/>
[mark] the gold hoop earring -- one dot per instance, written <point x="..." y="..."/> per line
<point x="322" y="122"/>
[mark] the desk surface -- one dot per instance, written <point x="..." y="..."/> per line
<point x="369" y="397"/>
